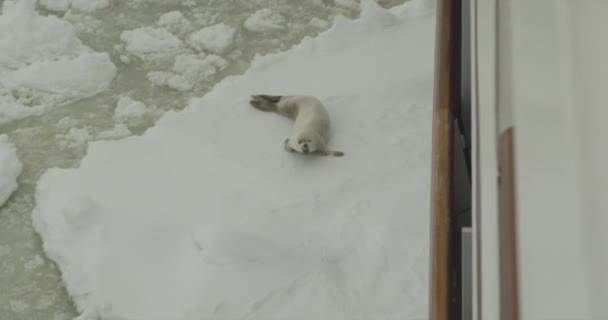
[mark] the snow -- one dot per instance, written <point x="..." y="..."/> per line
<point x="10" y="169"/>
<point x="149" y="42"/>
<point x="264" y="20"/>
<point x="43" y="64"/>
<point x="217" y="38"/>
<point x="206" y="217"/>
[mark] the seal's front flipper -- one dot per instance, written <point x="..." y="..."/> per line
<point x="287" y="147"/>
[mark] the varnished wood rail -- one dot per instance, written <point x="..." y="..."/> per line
<point x="446" y="94"/>
<point x="509" y="280"/>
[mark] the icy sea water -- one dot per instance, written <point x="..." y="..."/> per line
<point x="30" y="284"/>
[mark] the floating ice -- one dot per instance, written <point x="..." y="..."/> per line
<point x="264" y="20"/>
<point x="129" y="110"/>
<point x="217" y="38"/>
<point x="43" y="63"/>
<point x="148" y="42"/>
<point x="10" y="169"/>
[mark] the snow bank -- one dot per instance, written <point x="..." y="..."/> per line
<point x="10" y="169"/>
<point x="206" y="217"/>
<point x="43" y="63"/>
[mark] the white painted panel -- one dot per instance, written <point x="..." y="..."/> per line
<point x="559" y="71"/>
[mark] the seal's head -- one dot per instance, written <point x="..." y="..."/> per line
<point x="308" y="143"/>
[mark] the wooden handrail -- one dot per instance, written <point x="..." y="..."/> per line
<point x="509" y="280"/>
<point x="445" y="95"/>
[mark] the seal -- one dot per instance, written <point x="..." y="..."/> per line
<point x="310" y="132"/>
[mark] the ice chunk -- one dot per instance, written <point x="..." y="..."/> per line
<point x="217" y="38"/>
<point x="175" y="22"/>
<point x="264" y="20"/>
<point x="10" y="169"/>
<point x="148" y="42"/>
<point x="84" y="75"/>
<point x="89" y="5"/>
<point x="129" y="110"/>
<point x="55" y="5"/>
<point x="43" y="63"/>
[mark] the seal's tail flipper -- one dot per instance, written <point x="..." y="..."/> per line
<point x="331" y="153"/>
<point x="265" y="102"/>
<point x="273" y="99"/>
